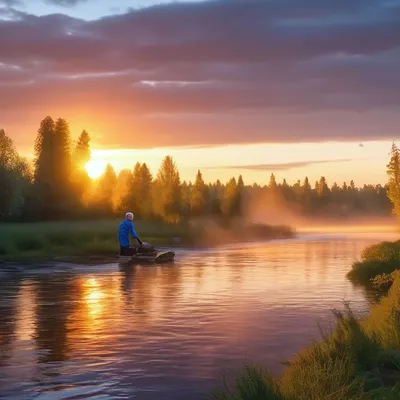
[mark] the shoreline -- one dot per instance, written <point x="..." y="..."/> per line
<point x="96" y="241"/>
<point x="21" y="265"/>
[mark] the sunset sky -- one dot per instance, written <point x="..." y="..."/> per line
<point x="297" y="88"/>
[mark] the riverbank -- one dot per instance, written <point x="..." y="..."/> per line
<point x="359" y="359"/>
<point x="80" y="241"/>
<point x="377" y="266"/>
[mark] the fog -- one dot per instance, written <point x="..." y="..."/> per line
<point x="274" y="210"/>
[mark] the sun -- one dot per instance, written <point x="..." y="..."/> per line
<point x="95" y="168"/>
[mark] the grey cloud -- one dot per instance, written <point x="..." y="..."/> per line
<point x="272" y="69"/>
<point x="65" y="3"/>
<point x="10" y="3"/>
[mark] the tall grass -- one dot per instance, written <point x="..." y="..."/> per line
<point x="25" y="241"/>
<point x="359" y="359"/>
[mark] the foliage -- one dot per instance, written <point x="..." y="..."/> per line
<point x="103" y="198"/>
<point x="61" y="188"/>
<point x="15" y="179"/>
<point x="377" y="259"/>
<point x="168" y="190"/>
<point x="393" y="171"/>
<point x="198" y="196"/>
<point x="252" y="383"/>
<point x="384" y="281"/>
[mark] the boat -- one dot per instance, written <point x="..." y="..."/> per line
<point x="147" y="253"/>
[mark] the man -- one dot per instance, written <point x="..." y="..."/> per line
<point x="125" y="227"/>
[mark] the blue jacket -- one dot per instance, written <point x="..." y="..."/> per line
<point x="125" y="227"/>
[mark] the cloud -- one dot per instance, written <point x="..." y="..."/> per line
<point x="280" y="70"/>
<point x="65" y="3"/>
<point x="10" y="3"/>
<point x="282" y="166"/>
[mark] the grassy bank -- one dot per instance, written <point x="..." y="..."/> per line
<point x="377" y="264"/>
<point x="60" y="240"/>
<point x="360" y="359"/>
<point x="35" y="241"/>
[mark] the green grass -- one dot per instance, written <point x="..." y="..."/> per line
<point x="378" y="259"/>
<point x="34" y="241"/>
<point x="43" y="241"/>
<point x="359" y="359"/>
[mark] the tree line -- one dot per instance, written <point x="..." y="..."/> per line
<point x="57" y="186"/>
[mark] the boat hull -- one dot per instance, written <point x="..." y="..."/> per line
<point x="153" y="258"/>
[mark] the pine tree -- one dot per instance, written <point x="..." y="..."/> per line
<point x="393" y="171"/>
<point x="44" y="153"/>
<point x="105" y="190"/>
<point x="146" y="180"/>
<point x="122" y="192"/>
<point x="62" y="153"/>
<point x="185" y="199"/>
<point x="169" y="191"/>
<point x="198" y="196"/>
<point x="241" y="195"/>
<point x="80" y="178"/>
<point x="44" y="201"/>
<point x="272" y="183"/>
<point x="231" y="198"/>
<point x="82" y="153"/>
<point x="322" y="188"/>
<point x="307" y="197"/>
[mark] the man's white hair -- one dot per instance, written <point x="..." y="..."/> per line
<point x="129" y="215"/>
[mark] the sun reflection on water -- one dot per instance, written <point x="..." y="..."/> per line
<point x="93" y="296"/>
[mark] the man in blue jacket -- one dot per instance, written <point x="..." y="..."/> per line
<point x="126" y="227"/>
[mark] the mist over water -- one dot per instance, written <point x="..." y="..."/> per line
<point x="172" y="331"/>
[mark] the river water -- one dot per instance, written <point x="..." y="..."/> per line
<point x="171" y="331"/>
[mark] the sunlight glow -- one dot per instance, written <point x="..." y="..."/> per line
<point x="93" y="296"/>
<point x="95" y="168"/>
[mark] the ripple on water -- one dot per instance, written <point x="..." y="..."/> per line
<point x="170" y="331"/>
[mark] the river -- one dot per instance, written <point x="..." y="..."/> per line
<point x="171" y="331"/>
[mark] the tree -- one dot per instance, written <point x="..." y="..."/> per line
<point x="122" y="192"/>
<point x="272" y="183"/>
<point x="135" y="195"/>
<point x="43" y="148"/>
<point x="231" y="199"/>
<point x="307" y="196"/>
<point x="393" y="171"/>
<point x="185" y="199"/>
<point x="168" y="182"/>
<point x="62" y="155"/>
<point x="241" y="195"/>
<point x="82" y="153"/>
<point x="322" y="188"/>
<point x="105" y="190"/>
<point x="44" y="199"/>
<point x="65" y="198"/>
<point x="139" y="196"/>
<point x="81" y="156"/>
<point x="15" y="179"/>
<point x="146" y="180"/>
<point x="274" y="191"/>
<point x="198" y="196"/>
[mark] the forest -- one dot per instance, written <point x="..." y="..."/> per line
<point x="57" y="187"/>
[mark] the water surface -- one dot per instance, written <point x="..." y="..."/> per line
<point x="171" y="331"/>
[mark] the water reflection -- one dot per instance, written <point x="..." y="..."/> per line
<point x="170" y="331"/>
<point x="8" y="324"/>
